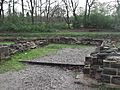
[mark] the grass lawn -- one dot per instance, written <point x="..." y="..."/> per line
<point x="68" y="34"/>
<point x="13" y="63"/>
<point x="7" y="43"/>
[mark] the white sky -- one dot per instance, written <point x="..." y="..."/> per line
<point x="81" y="4"/>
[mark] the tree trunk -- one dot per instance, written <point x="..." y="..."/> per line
<point x="67" y="19"/>
<point x="89" y="9"/>
<point x="13" y="7"/>
<point x="118" y="12"/>
<point x="22" y="8"/>
<point x="9" y="8"/>
<point x="1" y="12"/>
<point x="32" y="11"/>
<point x="85" y="15"/>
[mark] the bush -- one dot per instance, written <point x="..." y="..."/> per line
<point x="24" y="28"/>
<point x="58" y="26"/>
<point x="97" y="20"/>
<point x="78" y="22"/>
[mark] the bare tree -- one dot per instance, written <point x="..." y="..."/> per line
<point x="40" y="9"/>
<point x="1" y="11"/>
<point x="36" y="9"/>
<point x="13" y="2"/>
<point x="118" y="11"/>
<point x="48" y="9"/>
<point x="9" y="7"/>
<point x="74" y="5"/>
<point x="85" y="15"/>
<point x="32" y="11"/>
<point x="22" y="3"/>
<point x="57" y="13"/>
<point x="89" y="4"/>
<point x="67" y="19"/>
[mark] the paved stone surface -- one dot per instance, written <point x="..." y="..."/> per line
<point x="37" y="77"/>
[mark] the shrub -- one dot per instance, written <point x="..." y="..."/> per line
<point x="24" y="28"/>
<point x="58" y="26"/>
<point x="97" y="20"/>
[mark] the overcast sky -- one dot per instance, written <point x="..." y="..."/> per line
<point x="81" y="4"/>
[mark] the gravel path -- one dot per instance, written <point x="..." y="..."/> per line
<point x="36" y="77"/>
<point x="68" y="55"/>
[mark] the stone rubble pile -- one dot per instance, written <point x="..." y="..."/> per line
<point x="104" y="64"/>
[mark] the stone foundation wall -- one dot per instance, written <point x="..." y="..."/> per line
<point x="75" y="40"/>
<point x="104" y="65"/>
<point x="7" y="50"/>
<point x="24" y="45"/>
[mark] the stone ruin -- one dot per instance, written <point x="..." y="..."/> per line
<point x="20" y="46"/>
<point x="75" y="40"/>
<point x="4" y="52"/>
<point x="103" y="64"/>
<point x="24" y="45"/>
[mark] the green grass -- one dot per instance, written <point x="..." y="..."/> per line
<point x="69" y="34"/>
<point x="7" y="43"/>
<point x="14" y="64"/>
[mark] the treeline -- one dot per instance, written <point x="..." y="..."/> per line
<point x="50" y="15"/>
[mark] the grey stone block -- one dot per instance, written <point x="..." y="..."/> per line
<point x="86" y="70"/>
<point x="88" y="60"/>
<point x="115" y="65"/>
<point x="105" y="78"/>
<point x="116" y="80"/>
<point x="110" y="71"/>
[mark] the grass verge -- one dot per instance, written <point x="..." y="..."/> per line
<point x="13" y="63"/>
<point x="6" y="43"/>
<point x="68" y="34"/>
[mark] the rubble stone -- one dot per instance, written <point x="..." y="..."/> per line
<point x="116" y="80"/>
<point x="110" y="71"/>
<point x="105" y="78"/>
<point x="4" y="52"/>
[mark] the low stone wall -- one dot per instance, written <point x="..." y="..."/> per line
<point x="24" y="45"/>
<point x="75" y="40"/>
<point x="20" y="46"/>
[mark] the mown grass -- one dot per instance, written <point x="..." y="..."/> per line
<point x="69" y="34"/>
<point x="14" y="64"/>
<point x="6" y="43"/>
